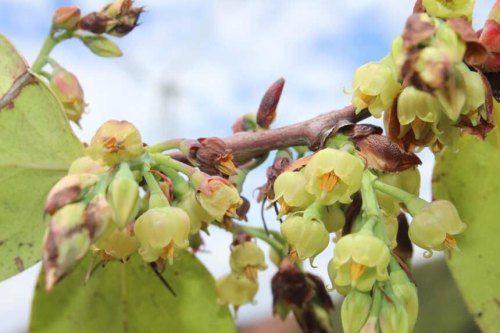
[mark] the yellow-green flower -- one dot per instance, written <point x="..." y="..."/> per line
<point x="290" y="192"/>
<point x="355" y="309"/>
<point x="246" y="258"/>
<point x="160" y="231"/>
<point x="435" y="225"/>
<point x="375" y="86"/>
<point x="197" y="215"/>
<point x="333" y="175"/>
<point x="218" y="197"/>
<point x="359" y="260"/>
<point x="449" y="8"/>
<point x="235" y="289"/>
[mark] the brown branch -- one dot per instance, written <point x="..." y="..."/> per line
<point x="311" y="133"/>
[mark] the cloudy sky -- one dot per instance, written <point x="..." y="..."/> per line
<point x="193" y="66"/>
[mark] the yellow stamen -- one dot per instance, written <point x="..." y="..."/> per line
<point x="226" y="166"/>
<point x="327" y="181"/>
<point x="169" y="250"/>
<point x="356" y="270"/>
<point x="231" y="211"/>
<point x="112" y="144"/>
<point x="284" y="208"/>
<point x="251" y="273"/>
<point x="450" y="242"/>
<point x="293" y="256"/>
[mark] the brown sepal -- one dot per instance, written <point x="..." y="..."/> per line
<point x="416" y="31"/>
<point x="267" y="108"/>
<point x="95" y="22"/>
<point x="243" y="209"/>
<point x="213" y="157"/>
<point x="280" y="164"/>
<point x="62" y="198"/>
<point x="476" y="53"/>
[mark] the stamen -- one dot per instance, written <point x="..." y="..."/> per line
<point x="169" y="250"/>
<point x="251" y="273"/>
<point x="327" y="181"/>
<point x="356" y="270"/>
<point x="450" y="242"/>
<point x="226" y="166"/>
<point x="112" y="144"/>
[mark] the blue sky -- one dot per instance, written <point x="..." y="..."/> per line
<point x="193" y="66"/>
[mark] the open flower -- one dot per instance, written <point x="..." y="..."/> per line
<point x="333" y="175"/>
<point x="289" y="191"/>
<point x="235" y="289"/>
<point x="359" y="260"/>
<point x="246" y="258"/>
<point x="219" y="197"/>
<point x="160" y="231"/>
<point x="435" y="225"/>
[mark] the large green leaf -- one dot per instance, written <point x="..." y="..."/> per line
<point x="469" y="176"/>
<point x="36" y="148"/>
<point x="130" y="298"/>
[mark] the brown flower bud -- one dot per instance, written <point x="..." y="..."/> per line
<point x="66" y="17"/>
<point x="267" y="109"/>
<point x="95" y="22"/>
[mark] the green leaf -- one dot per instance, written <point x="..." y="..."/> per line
<point x="101" y="46"/>
<point x="130" y="298"/>
<point x="36" y="149"/>
<point x="468" y="175"/>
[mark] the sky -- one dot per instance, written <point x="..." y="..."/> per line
<point x="193" y="66"/>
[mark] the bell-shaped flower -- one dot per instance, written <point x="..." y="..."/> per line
<point x="355" y="309"/>
<point x="197" y="215"/>
<point x="218" y="197"/>
<point x="117" y="244"/>
<point x="449" y="8"/>
<point x="435" y="225"/>
<point x="115" y="141"/>
<point x="359" y="260"/>
<point x="333" y="175"/>
<point x="393" y="317"/>
<point x="375" y="86"/>
<point x="333" y="218"/>
<point x="246" y="258"/>
<point x="406" y="292"/>
<point x="307" y="237"/>
<point x="290" y="192"/>
<point x="160" y="231"/>
<point x="235" y="289"/>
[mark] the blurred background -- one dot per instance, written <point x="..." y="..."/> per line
<point x="193" y="67"/>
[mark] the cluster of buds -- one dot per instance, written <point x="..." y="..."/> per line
<point x="427" y="85"/>
<point x="115" y="19"/>
<point x="240" y="286"/>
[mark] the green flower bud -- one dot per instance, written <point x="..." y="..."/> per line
<point x="333" y="218"/>
<point x="235" y="289"/>
<point x="98" y="216"/>
<point x="69" y="189"/>
<point x="449" y="8"/>
<point x="307" y="237"/>
<point x="391" y="228"/>
<point x="160" y="231"/>
<point x="118" y="244"/>
<point x="289" y="190"/>
<point x="359" y="260"/>
<point x="393" y="317"/>
<point x="85" y="164"/>
<point x="246" y="258"/>
<point x="101" y="46"/>
<point x="434" y="226"/>
<point x="123" y="194"/>
<point x="333" y="175"/>
<point x="114" y="142"/>
<point x="406" y="291"/>
<point x="66" y="17"/>
<point x="197" y="215"/>
<point x="374" y="86"/>
<point x="218" y="197"/>
<point x="355" y="310"/>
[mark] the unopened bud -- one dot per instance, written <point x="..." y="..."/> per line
<point x="66" y="17"/>
<point x="267" y="109"/>
<point x="68" y="189"/>
<point x="123" y="194"/>
<point x="68" y="90"/>
<point x="101" y="46"/>
<point x="355" y="310"/>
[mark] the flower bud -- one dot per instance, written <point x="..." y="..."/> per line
<point x="392" y="317"/>
<point x="333" y="175"/>
<point x="333" y="218"/>
<point x="123" y="194"/>
<point x="114" y="142"/>
<point x="359" y="260"/>
<point x="118" y="244"/>
<point x="289" y="190"/>
<point x="406" y="292"/>
<point x="197" y="215"/>
<point x="434" y="226"/>
<point x="235" y="289"/>
<point x="68" y="90"/>
<point x="160" y="231"/>
<point x="98" y="216"/>
<point x="68" y="189"/>
<point x="307" y="237"/>
<point x="355" y="310"/>
<point x="65" y="242"/>
<point x="449" y="8"/>
<point x="218" y="197"/>
<point x="85" y="164"/>
<point x="246" y="258"/>
<point x="123" y="16"/>
<point x="66" y="17"/>
<point x="101" y="46"/>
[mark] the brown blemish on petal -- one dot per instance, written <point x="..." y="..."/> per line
<point x="19" y="264"/>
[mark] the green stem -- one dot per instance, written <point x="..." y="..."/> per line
<point x="181" y="186"/>
<point x="262" y="235"/>
<point x="413" y="203"/>
<point x="371" y="207"/>
<point x="157" y="199"/>
<point x="48" y="45"/>
<point x="245" y="169"/>
<point x="169" y="162"/>
<point x="377" y="302"/>
<point x="163" y="146"/>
